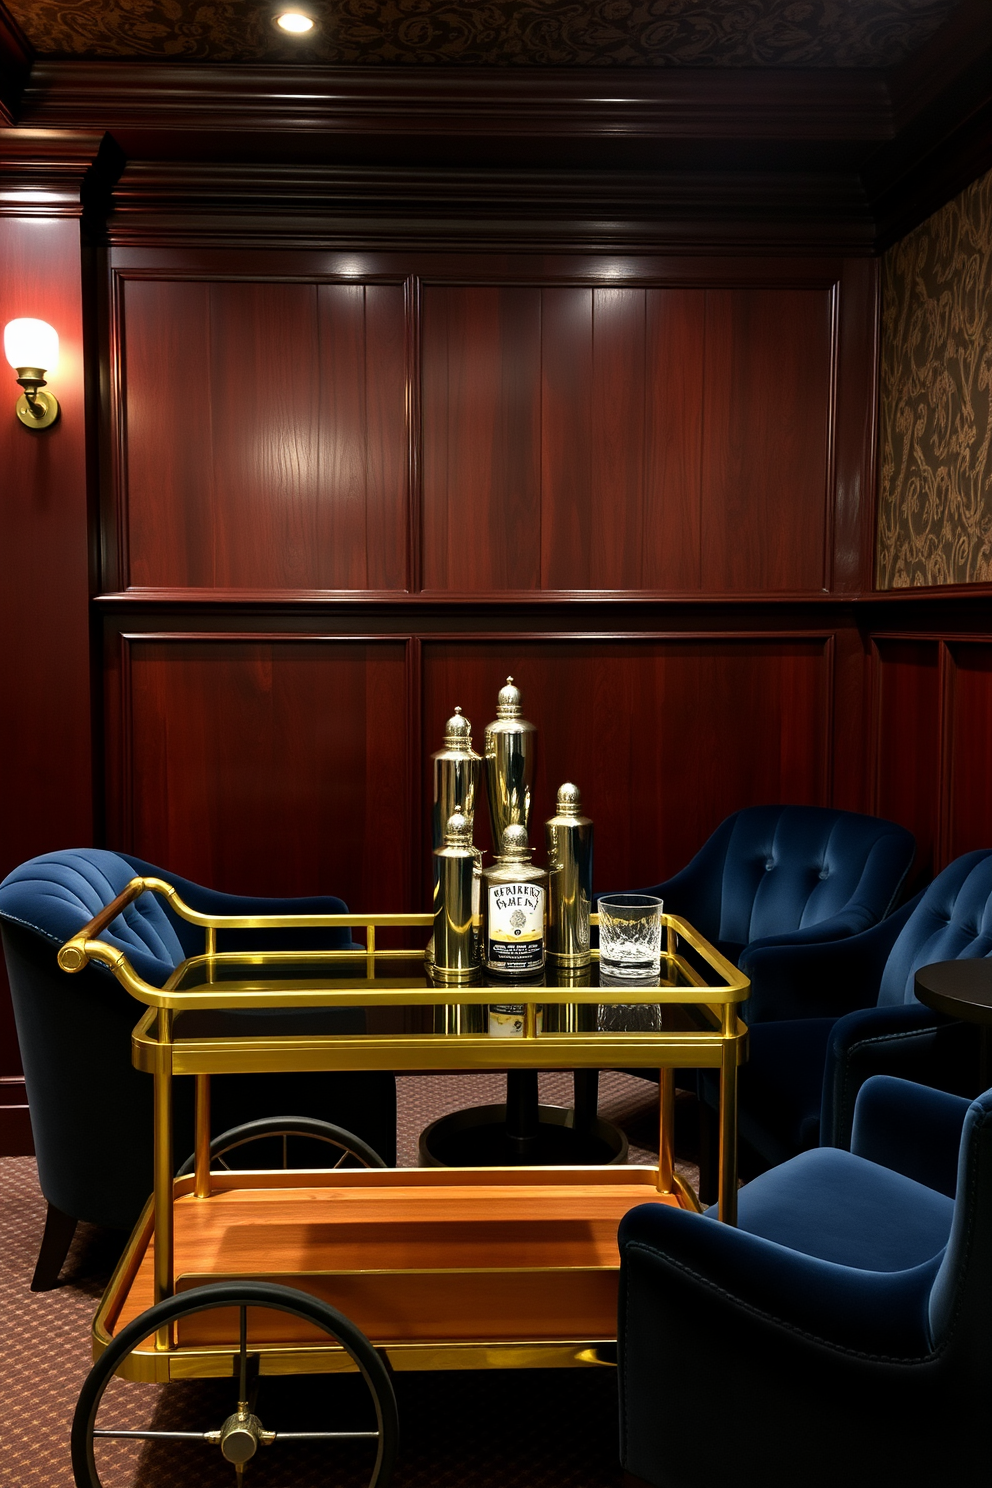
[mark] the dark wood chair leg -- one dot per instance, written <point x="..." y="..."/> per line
<point x="59" y="1230"/>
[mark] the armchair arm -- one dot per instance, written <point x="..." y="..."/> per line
<point x="875" y="1312"/>
<point x="908" y="1041"/>
<point x="819" y="979"/>
<point x="911" y="1129"/>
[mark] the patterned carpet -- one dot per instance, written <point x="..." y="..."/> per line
<point x="498" y="1429"/>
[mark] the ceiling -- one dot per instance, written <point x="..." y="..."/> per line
<point x="500" y="33"/>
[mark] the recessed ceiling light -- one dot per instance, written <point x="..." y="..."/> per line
<point x="295" y="22"/>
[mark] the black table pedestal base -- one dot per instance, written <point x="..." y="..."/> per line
<point x="481" y="1138"/>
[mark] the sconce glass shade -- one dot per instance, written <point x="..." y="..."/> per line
<point x="31" y="343"/>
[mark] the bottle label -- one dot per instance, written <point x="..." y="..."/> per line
<point x="506" y="1019"/>
<point x="515" y="927"/>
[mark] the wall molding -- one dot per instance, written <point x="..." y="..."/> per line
<point x="563" y="211"/>
<point x="148" y="100"/>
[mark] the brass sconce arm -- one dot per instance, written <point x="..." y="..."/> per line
<point x="41" y="408"/>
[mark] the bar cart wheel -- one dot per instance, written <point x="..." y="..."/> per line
<point x="311" y="1127"/>
<point x="240" y="1435"/>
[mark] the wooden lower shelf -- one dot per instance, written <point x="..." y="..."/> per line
<point x="490" y="1258"/>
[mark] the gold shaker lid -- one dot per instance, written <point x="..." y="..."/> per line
<point x="458" y="731"/>
<point x="515" y="842"/>
<point x="458" y="831"/>
<point x="508" y="701"/>
<point x="569" y="800"/>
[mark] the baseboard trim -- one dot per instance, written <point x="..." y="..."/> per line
<point x="15" y="1120"/>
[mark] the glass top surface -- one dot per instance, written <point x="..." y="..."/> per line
<point x="307" y="973"/>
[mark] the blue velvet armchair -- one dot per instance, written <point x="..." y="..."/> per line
<point x="91" y="1111"/>
<point x="790" y="875"/>
<point x="840" y="1334"/>
<point x="825" y="1018"/>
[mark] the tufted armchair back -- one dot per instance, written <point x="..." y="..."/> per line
<point x="790" y="867"/>
<point x="951" y="922"/>
<point x="802" y="873"/>
<point x="57" y="894"/>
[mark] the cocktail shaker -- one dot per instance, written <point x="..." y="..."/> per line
<point x="457" y="768"/>
<point x="511" y="745"/>
<point x="568" y="836"/>
<point x="453" y="952"/>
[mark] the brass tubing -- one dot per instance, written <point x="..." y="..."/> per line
<point x="370" y="952"/>
<point x="728" y="1120"/>
<point x="201" y="1186"/>
<point x="210" y="950"/>
<point x="73" y="955"/>
<point x="666" y="1131"/>
<point x="164" y="1169"/>
<point x="530" y="1020"/>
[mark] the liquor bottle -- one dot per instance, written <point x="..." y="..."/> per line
<point x="453" y="952"/>
<point x="511" y="745"/>
<point x="568" y="836"/>
<point x="514" y="903"/>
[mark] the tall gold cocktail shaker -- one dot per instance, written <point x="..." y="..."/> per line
<point x="457" y="769"/>
<point x="453" y="952"/>
<point x="568" y="836"/>
<point x="511" y="746"/>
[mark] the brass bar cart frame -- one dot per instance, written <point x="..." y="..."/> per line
<point x="204" y="983"/>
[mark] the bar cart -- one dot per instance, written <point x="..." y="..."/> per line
<point x="242" y="1274"/>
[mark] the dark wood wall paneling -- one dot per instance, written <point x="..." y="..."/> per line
<point x="44" y="595"/>
<point x="647" y="425"/>
<point x="932" y="726"/>
<point x="625" y="438"/>
<point x="288" y="762"/>
<point x="271" y="763"/>
<point x="264" y="435"/>
<point x="664" y="734"/>
<point x="539" y="428"/>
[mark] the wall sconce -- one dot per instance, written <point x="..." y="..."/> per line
<point x="32" y="349"/>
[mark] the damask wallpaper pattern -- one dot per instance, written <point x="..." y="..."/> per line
<point x="935" y="499"/>
<point x="484" y="33"/>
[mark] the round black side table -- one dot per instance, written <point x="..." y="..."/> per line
<point x="961" y="989"/>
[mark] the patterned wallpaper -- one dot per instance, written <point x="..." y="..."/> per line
<point x="557" y="33"/>
<point x="935" y="500"/>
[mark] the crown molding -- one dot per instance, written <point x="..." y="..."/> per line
<point x="214" y="105"/>
<point x="538" y="210"/>
<point x="53" y="173"/>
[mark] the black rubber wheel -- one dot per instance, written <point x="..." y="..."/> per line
<point x="311" y="1127"/>
<point x="371" y="1366"/>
